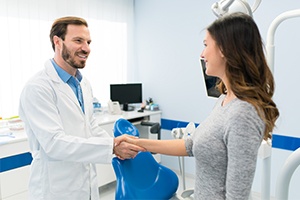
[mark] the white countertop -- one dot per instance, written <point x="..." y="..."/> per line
<point x="103" y="118"/>
<point x="15" y="136"/>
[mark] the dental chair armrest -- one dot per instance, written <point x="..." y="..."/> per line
<point x="155" y="127"/>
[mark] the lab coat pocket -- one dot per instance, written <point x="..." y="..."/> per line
<point x="65" y="177"/>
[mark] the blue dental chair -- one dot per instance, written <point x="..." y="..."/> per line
<point x="141" y="177"/>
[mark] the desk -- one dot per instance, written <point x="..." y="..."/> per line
<point x="14" y="181"/>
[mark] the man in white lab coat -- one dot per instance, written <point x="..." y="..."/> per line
<point x="56" y="106"/>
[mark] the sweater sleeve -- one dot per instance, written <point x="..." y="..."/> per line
<point x="243" y="136"/>
<point x="189" y="146"/>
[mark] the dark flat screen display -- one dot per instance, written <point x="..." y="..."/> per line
<point x="126" y="93"/>
<point x="210" y="82"/>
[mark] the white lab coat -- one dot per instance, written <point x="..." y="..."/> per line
<point x="65" y="143"/>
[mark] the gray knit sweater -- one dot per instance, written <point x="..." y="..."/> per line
<point x="225" y="148"/>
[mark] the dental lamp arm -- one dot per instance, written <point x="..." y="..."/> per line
<point x="271" y="33"/>
<point x="224" y="7"/>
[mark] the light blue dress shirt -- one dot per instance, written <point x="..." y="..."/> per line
<point x="73" y="82"/>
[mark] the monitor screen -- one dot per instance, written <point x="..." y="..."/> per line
<point x="126" y="94"/>
<point x="210" y="82"/>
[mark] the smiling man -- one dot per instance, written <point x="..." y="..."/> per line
<point x="56" y="106"/>
<point x="71" y="44"/>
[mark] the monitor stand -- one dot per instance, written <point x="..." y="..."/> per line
<point x="127" y="107"/>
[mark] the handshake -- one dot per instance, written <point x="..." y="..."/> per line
<point x="126" y="146"/>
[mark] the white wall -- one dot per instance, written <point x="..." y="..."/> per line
<point x="26" y="45"/>
<point x="169" y="36"/>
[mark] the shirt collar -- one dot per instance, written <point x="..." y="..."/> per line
<point x="65" y="76"/>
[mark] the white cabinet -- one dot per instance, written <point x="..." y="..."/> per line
<point x="14" y="182"/>
<point x="105" y="172"/>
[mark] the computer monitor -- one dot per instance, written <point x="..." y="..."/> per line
<point x="126" y="94"/>
<point x="210" y="82"/>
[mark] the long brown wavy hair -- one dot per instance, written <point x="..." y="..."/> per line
<point x="249" y="76"/>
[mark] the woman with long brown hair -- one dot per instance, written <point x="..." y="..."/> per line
<point x="225" y="145"/>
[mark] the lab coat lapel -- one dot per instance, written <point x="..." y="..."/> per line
<point x="64" y="88"/>
<point x="87" y="95"/>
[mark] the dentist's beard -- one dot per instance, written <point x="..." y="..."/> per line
<point x="66" y="55"/>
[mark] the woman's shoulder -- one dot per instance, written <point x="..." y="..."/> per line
<point x="243" y="109"/>
<point x="240" y="105"/>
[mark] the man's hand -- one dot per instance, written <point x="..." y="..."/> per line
<point x="125" y="150"/>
